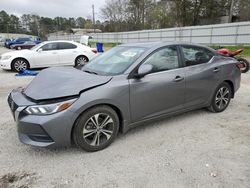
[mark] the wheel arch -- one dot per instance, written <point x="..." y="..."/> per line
<point x="231" y="85"/>
<point x="11" y="64"/>
<point x="82" y="55"/>
<point x="114" y="107"/>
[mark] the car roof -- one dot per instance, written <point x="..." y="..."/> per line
<point x="159" y="44"/>
<point x="24" y="38"/>
<point x="60" y="41"/>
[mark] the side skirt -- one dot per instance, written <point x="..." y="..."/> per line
<point x="160" y="117"/>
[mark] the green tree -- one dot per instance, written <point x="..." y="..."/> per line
<point x="80" y="22"/>
<point x="4" y="22"/>
<point x="243" y="10"/>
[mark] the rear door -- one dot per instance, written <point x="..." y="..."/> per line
<point x="67" y="53"/>
<point x="161" y="91"/>
<point x="202" y="74"/>
<point x="47" y="56"/>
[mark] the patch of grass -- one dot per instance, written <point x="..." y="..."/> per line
<point x="245" y="53"/>
<point x="106" y="46"/>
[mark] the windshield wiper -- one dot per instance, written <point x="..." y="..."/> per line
<point x="90" y="72"/>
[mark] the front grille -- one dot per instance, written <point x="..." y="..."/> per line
<point x="13" y="106"/>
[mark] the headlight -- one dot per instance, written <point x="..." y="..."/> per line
<point x="5" y="57"/>
<point x="49" y="108"/>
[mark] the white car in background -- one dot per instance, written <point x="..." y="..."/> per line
<point x="47" y="54"/>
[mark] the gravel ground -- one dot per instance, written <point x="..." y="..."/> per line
<point x="195" y="149"/>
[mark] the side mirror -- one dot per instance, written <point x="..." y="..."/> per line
<point x="40" y="50"/>
<point x="144" y="70"/>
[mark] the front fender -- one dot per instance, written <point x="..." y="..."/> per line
<point x="108" y="94"/>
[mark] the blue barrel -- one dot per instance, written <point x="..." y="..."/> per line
<point x="99" y="47"/>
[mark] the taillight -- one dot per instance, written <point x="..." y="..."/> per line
<point x="239" y="66"/>
<point x="94" y="51"/>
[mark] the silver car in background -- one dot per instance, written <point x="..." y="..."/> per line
<point x="126" y="86"/>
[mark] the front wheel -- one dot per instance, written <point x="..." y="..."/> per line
<point x="221" y="98"/>
<point x="245" y="63"/>
<point x="96" y="128"/>
<point x="19" y="64"/>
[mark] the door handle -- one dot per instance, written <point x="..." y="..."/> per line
<point x="54" y="52"/>
<point x="216" y="69"/>
<point x="178" y="79"/>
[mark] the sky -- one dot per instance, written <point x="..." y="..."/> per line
<point x="53" y="8"/>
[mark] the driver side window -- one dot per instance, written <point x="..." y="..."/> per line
<point x="164" y="59"/>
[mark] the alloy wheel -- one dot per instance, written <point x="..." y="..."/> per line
<point x="20" y="65"/>
<point x="81" y="61"/>
<point x="222" y="98"/>
<point x="98" y="129"/>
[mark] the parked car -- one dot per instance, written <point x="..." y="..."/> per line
<point x="25" y="45"/>
<point x="6" y="42"/>
<point x="126" y="86"/>
<point x="47" y="54"/>
<point x="20" y="41"/>
<point x="2" y="41"/>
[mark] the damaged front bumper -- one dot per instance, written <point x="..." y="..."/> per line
<point x="40" y="130"/>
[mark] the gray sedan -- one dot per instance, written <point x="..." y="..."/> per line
<point x="126" y="86"/>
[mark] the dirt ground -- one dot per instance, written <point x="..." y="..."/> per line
<point x="195" y="149"/>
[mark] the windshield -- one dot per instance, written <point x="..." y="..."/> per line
<point x="114" y="61"/>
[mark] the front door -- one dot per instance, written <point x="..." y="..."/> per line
<point x="161" y="91"/>
<point x="47" y="56"/>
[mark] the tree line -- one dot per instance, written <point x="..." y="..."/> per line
<point x="129" y="15"/>
<point x="41" y="26"/>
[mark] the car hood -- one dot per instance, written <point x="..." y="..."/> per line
<point x="53" y="83"/>
<point x="17" y="53"/>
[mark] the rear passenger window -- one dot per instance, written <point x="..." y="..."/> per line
<point x="66" y="45"/>
<point x="196" y="55"/>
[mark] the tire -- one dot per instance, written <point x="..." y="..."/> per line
<point x="19" y="64"/>
<point x="221" y="98"/>
<point x="81" y="61"/>
<point x="245" y="63"/>
<point x="88" y="136"/>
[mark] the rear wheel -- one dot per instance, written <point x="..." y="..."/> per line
<point x="96" y="129"/>
<point x="245" y="64"/>
<point x="81" y="61"/>
<point x="221" y="98"/>
<point x="19" y="64"/>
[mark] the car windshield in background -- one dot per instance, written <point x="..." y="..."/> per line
<point x="114" y="61"/>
